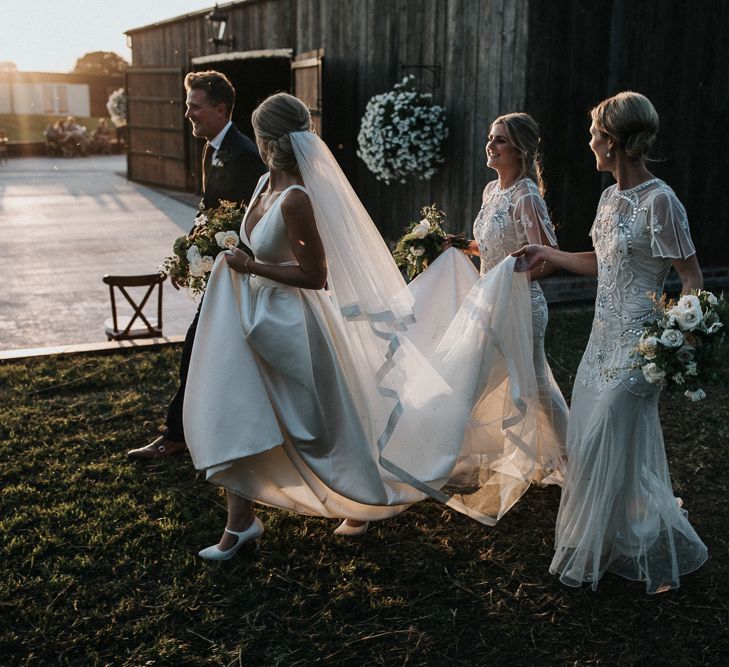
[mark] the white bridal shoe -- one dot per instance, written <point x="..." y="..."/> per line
<point x="253" y="532"/>
<point x="351" y="531"/>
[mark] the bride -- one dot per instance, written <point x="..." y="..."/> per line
<point x="320" y="384"/>
<point x="277" y="410"/>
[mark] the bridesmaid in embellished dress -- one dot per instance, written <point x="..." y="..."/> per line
<point x="618" y="512"/>
<point x="513" y="213"/>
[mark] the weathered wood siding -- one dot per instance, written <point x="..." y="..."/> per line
<point x="672" y="51"/>
<point x="552" y="59"/>
<point x="478" y="48"/>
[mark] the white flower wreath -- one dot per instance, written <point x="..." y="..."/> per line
<point x="402" y="134"/>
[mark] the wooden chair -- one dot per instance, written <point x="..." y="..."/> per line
<point x="137" y="325"/>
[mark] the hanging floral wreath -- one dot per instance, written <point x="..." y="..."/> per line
<point x="402" y="134"/>
<point x="117" y="107"/>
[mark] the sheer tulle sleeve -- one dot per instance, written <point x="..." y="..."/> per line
<point x="530" y="212"/>
<point x="668" y="225"/>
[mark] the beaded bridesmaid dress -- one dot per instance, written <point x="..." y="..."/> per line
<point x="509" y="219"/>
<point x="618" y="512"/>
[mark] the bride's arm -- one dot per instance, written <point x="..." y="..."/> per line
<point x="311" y="272"/>
<point x="536" y="256"/>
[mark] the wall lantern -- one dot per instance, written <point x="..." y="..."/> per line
<point x="218" y="21"/>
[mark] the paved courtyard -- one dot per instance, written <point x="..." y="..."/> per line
<point x="64" y="223"/>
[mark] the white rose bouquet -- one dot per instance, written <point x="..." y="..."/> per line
<point x="423" y="242"/>
<point x="193" y="255"/>
<point x="402" y="134"/>
<point x="678" y="346"/>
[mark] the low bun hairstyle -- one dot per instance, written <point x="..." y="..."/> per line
<point x="273" y="120"/>
<point x="630" y="119"/>
<point x="523" y="133"/>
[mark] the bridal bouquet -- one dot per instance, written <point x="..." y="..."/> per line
<point x="677" y="347"/>
<point x="402" y="134"/>
<point x="423" y="242"/>
<point x="193" y="255"/>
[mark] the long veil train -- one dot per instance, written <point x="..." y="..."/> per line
<point x="477" y="444"/>
<point x="436" y="379"/>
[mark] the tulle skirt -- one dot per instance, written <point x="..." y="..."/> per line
<point x="618" y="512"/>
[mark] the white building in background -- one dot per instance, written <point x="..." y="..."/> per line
<point x="55" y="94"/>
<point x="50" y="99"/>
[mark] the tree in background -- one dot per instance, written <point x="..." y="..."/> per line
<point x="100" y="62"/>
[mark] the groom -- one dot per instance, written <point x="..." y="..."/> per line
<point x="230" y="171"/>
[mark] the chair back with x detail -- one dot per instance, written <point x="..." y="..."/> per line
<point x="136" y="325"/>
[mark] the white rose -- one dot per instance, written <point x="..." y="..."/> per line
<point x="192" y="252"/>
<point x="421" y="229"/>
<point x="687" y="312"/>
<point x="227" y="239"/>
<point x="647" y="346"/>
<point x="196" y="266"/>
<point x="653" y="374"/>
<point x="200" y="220"/>
<point x="689" y="301"/>
<point x="417" y="250"/>
<point x="217" y="162"/>
<point x="691" y="368"/>
<point x="672" y="338"/>
<point x="697" y="395"/>
<point x="207" y="263"/>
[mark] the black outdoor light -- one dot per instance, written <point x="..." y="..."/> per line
<point x="218" y="21"/>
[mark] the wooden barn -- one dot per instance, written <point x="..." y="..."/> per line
<point x="479" y="58"/>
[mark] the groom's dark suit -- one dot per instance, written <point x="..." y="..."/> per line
<point x="231" y="176"/>
<point x="234" y="173"/>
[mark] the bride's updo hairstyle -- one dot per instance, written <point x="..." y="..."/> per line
<point x="630" y="119"/>
<point x="273" y="120"/>
<point x="523" y="133"/>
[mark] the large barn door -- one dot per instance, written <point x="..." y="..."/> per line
<point x="156" y="142"/>
<point x="306" y="83"/>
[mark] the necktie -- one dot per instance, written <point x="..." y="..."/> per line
<point x="207" y="161"/>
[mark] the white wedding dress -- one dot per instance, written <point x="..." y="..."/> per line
<point x="618" y="512"/>
<point x="273" y="407"/>
<point x="359" y="401"/>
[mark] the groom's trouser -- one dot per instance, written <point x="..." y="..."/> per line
<point x="174" y="429"/>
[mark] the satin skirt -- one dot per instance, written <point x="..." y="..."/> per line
<point x="273" y="410"/>
<point x="280" y="407"/>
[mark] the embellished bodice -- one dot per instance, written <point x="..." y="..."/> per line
<point x="636" y="235"/>
<point x="509" y="219"/>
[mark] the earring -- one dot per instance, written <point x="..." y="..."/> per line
<point x="608" y="154"/>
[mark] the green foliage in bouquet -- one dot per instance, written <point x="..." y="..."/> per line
<point x="680" y="346"/>
<point x="423" y="242"/>
<point x="193" y="255"/>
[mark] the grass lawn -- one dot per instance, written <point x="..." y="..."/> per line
<point x="99" y="562"/>
<point x="30" y="127"/>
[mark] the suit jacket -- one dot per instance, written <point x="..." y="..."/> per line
<point x="234" y="173"/>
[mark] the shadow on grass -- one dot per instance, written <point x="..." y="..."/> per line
<point x="99" y="563"/>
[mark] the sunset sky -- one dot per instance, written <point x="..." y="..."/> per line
<point x="49" y="35"/>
